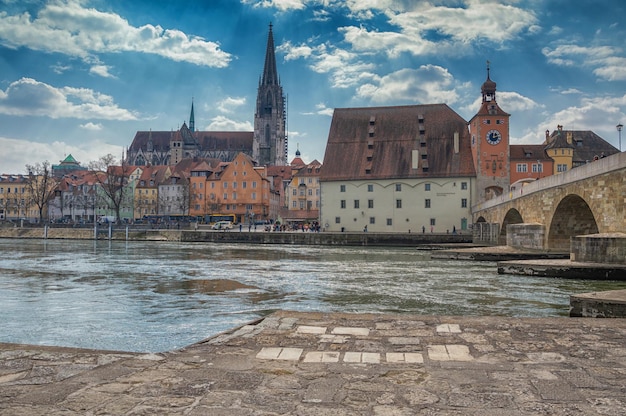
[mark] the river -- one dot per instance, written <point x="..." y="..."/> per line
<point x="158" y="296"/>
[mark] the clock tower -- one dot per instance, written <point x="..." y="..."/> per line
<point x="489" y="132"/>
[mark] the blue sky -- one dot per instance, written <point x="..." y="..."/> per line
<point x="82" y="76"/>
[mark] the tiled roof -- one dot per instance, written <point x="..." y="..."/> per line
<point x="377" y="143"/>
<point x="207" y="140"/>
<point x="528" y="151"/>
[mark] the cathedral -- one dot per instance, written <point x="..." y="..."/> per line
<point x="267" y="144"/>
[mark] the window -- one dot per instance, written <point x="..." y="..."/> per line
<point x="356" y="204"/>
<point x="234" y="195"/>
<point x="522" y="167"/>
<point x="398" y="203"/>
<point x="398" y="187"/>
<point x="295" y="192"/>
<point x="343" y="203"/>
<point x="372" y="220"/>
<point x="294" y="204"/>
<point x="342" y="188"/>
<point x="537" y="167"/>
<point x="337" y="220"/>
<point x="427" y="187"/>
<point x="254" y="185"/>
<point x="464" y="203"/>
<point x="389" y="221"/>
<point x="234" y="185"/>
<point x="225" y="195"/>
<point x="301" y="204"/>
<point x="310" y="192"/>
<point x="370" y="188"/>
<point x="561" y="167"/>
<point x="427" y="203"/>
<point x="433" y="222"/>
<point x="463" y="185"/>
<point x="244" y="185"/>
<point x="225" y="185"/>
<point x="370" y="203"/>
<point x="253" y="195"/>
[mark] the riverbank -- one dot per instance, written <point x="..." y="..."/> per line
<point x="243" y="236"/>
<point x="338" y="364"/>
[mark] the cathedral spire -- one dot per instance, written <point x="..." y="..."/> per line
<point x="270" y="75"/>
<point x="192" y="122"/>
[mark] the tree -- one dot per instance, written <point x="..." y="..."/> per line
<point x="113" y="180"/>
<point x="41" y="186"/>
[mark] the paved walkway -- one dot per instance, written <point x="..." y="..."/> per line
<point x="338" y="364"/>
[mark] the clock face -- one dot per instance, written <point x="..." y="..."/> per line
<point x="493" y="137"/>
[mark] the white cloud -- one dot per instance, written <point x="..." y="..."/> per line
<point x="321" y="109"/>
<point x="28" y="97"/>
<point x="14" y="159"/>
<point x="221" y="123"/>
<point x="229" y="104"/>
<point x="66" y="27"/>
<point x="292" y="52"/>
<point x="346" y="68"/>
<point x="605" y="59"/>
<point x="101" y="70"/>
<point x="91" y="126"/>
<point x="282" y="5"/>
<point x="427" y="84"/>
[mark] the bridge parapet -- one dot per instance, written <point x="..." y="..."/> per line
<point x="602" y="166"/>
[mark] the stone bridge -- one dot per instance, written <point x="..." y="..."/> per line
<point x="545" y="214"/>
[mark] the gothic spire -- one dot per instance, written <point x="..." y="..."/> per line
<point x="192" y="122"/>
<point x="270" y="75"/>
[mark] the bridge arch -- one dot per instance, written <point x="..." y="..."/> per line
<point x="512" y="216"/>
<point x="572" y="217"/>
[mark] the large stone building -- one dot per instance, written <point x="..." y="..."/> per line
<point x="267" y="144"/>
<point x="397" y="169"/>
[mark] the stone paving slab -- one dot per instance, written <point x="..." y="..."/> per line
<point x="285" y="364"/>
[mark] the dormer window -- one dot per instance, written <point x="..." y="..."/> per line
<point x="372" y="120"/>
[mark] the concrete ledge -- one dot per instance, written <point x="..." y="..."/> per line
<point x="564" y="269"/>
<point x="610" y="304"/>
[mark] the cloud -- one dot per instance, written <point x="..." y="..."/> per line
<point x="229" y="104"/>
<point x="282" y="5"/>
<point x="292" y="52"/>
<point x="28" y="97"/>
<point x="66" y="27"/>
<point x="482" y="21"/>
<point x="321" y="109"/>
<point x="91" y="126"/>
<point x="345" y="68"/>
<point x="221" y="123"/>
<point x="605" y="59"/>
<point x="101" y="70"/>
<point x="14" y="159"/>
<point x="427" y="84"/>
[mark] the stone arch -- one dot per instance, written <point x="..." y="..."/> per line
<point x="481" y="219"/>
<point x="572" y="217"/>
<point x="512" y="216"/>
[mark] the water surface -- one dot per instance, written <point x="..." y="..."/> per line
<point x="156" y="296"/>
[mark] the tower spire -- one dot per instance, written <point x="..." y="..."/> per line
<point x="192" y="122"/>
<point x="270" y="75"/>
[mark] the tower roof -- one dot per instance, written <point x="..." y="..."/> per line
<point x="270" y="75"/>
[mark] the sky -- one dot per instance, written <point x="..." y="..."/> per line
<point x="81" y="77"/>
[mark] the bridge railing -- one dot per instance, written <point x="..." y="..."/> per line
<point x="595" y="168"/>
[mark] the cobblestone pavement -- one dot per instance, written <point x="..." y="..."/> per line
<point x="293" y="363"/>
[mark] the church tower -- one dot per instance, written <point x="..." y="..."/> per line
<point x="192" y="119"/>
<point x="489" y="130"/>
<point x="270" y="138"/>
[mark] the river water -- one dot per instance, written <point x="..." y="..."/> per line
<point x="156" y="296"/>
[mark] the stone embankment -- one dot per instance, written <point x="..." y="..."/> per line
<point x="244" y="236"/>
<point x="338" y="364"/>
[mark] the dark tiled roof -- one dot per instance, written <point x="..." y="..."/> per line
<point x="207" y="140"/>
<point x="377" y="143"/>
<point x="528" y="151"/>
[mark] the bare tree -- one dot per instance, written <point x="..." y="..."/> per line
<point x="41" y="185"/>
<point x="113" y="180"/>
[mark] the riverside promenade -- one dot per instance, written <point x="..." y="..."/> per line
<point x="293" y="363"/>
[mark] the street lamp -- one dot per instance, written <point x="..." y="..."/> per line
<point x="619" y="132"/>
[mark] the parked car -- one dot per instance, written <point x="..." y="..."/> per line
<point x="223" y="225"/>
